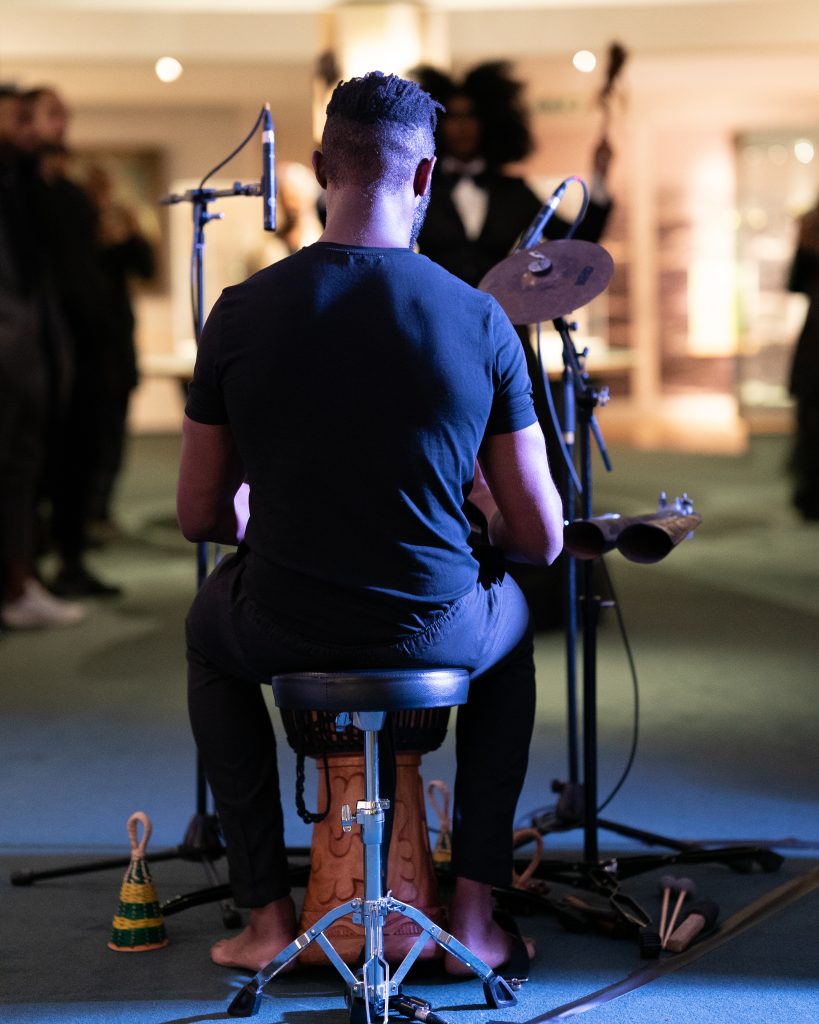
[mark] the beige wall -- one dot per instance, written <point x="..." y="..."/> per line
<point x="698" y="74"/>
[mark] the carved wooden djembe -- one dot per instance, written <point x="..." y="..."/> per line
<point x="336" y="857"/>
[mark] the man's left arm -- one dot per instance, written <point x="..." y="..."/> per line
<point x="210" y="474"/>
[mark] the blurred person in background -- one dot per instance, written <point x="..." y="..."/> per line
<point x="34" y="370"/>
<point x="298" y="222"/>
<point x="298" y="193"/>
<point x="804" y="378"/>
<point x="125" y="254"/>
<point x="76" y="444"/>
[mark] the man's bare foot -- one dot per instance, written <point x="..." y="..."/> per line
<point x="471" y="921"/>
<point x="269" y="930"/>
<point x="397" y="946"/>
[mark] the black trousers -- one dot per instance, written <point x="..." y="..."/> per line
<point x="805" y="457"/>
<point x="74" y="456"/>
<point x="233" y="650"/>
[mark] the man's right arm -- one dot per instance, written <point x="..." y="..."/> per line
<point x="527" y="522"/>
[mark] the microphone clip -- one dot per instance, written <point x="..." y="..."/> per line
<point x="532" y="235"/>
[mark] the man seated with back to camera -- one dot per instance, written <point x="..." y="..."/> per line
<point x="354" y="385"/>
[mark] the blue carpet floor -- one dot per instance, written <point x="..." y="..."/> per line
<point x="725" y="634"/>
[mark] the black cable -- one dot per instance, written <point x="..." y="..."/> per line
<point x="533" y="235"/>
<point x="550" y="401"/>
<point x="584" y="206"/>
<point x="549" y="397"/>
<point x="236" y="151"/>
<point x="311" y="817"/>
<point x="211" y="172"/>
<point x="635" y="687"/>
<point x="193" y="296"/>
<point x="416" y="1009"/>
<point x="539" y="812"/>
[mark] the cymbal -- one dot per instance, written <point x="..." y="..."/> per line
<point x="549" y="280"/>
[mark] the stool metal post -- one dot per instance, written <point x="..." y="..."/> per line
<point x="371" y="813"/>
<point x="370" y="818"/>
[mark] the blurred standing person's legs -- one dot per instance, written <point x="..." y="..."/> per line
<point x="805" y="458"/>
<point x="803" y="277"/>
<point x="72" y="223"/>
<point x="113" y="427"/>
<point x="23" y="403"/>
<point x="125" y="254"/>
<point x="76" y="446"/>
<point x="34" y="364"/>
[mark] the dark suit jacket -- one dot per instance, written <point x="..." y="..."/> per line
<point x="511" y="209"/>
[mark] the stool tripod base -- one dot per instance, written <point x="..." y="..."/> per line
<point x="372" y="985"/>
<point x="363" y="698"/>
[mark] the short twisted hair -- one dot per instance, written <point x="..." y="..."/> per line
<point x="378" y="128"/>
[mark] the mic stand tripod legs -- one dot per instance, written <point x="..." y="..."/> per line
<point x="580" y="798"/>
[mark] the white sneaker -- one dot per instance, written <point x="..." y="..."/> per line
<point x="37" y="609"/>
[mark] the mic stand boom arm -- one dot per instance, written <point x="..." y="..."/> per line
<point x="207" y="195"/>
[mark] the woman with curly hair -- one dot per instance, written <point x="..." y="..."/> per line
<point x="477" y="211"/>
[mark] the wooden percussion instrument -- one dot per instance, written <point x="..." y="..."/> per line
<point x="336" y="857"/>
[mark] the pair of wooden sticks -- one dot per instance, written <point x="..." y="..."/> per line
<point x="670" y="884"/>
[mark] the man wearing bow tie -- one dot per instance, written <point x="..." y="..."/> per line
<point x="477" y="212"/>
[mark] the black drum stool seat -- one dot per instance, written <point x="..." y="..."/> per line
<point x="371" y="690"/>
<point x="362" y="698"/>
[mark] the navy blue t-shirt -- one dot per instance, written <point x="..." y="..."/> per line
<point x="359" y="384"/>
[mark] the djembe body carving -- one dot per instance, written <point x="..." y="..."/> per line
<point x="336" y="857"/>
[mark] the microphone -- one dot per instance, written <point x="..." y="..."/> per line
<point x="268" y="185"/>
<point x="531" y="236"/>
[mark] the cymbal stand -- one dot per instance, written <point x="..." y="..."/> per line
<point x="579" y="801"/>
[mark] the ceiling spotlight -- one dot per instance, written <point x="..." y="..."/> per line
<point x="803" y="151"/>
<point x="168" y="69"/>
<point x="585" y="61"/>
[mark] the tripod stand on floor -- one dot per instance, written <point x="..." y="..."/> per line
<point x="542" y="281"/>
<point x="579" y="800"/>
<point x="201" y="842"/>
